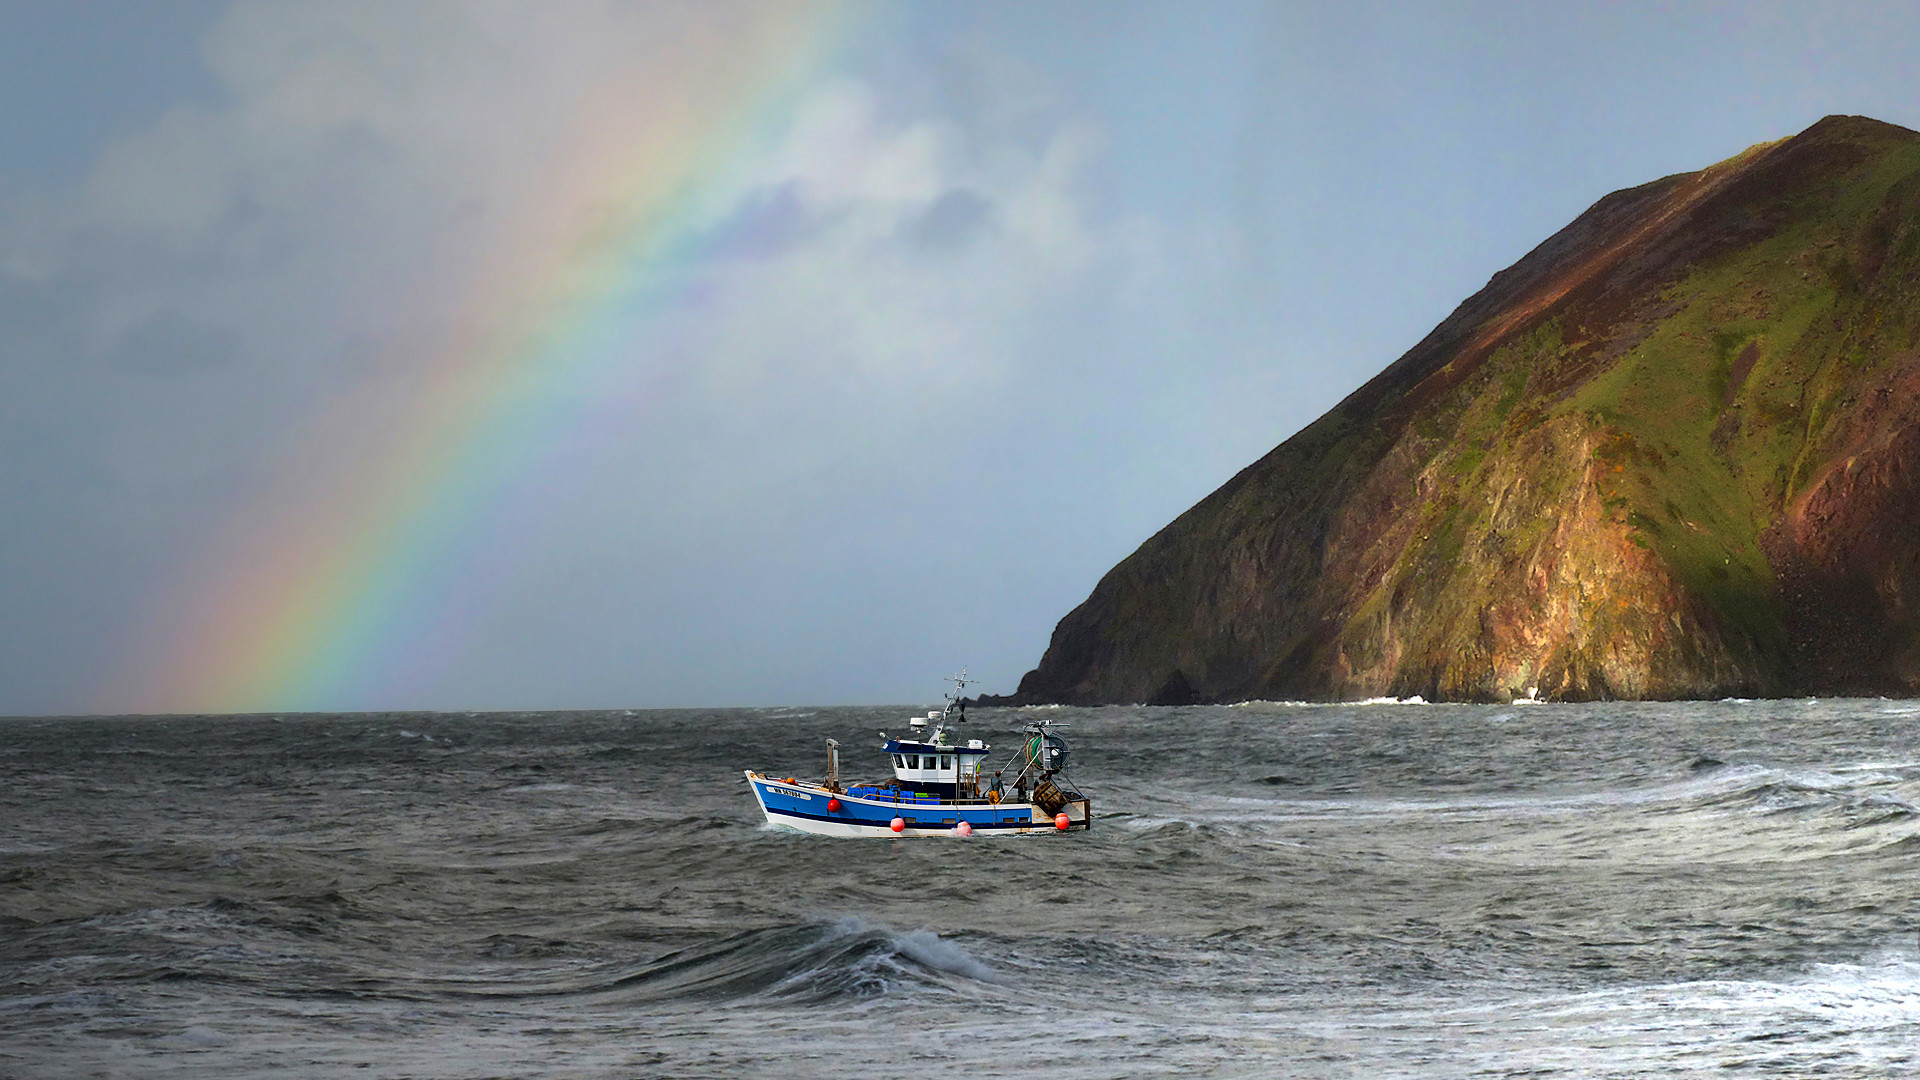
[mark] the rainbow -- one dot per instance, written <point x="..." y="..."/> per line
<point x="318" y="590"/>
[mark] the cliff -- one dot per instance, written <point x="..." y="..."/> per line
<point x="1674" y="452"/>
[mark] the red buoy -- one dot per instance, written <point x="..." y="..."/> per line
<point x="965" y="829"/>
<point x="1060" y="822"/>
<point x="898" y="825"/>
<point x="833" y="806"/>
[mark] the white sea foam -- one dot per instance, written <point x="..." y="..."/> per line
<point x="1882" y="993"/>
<point x="1710" y="785"/>
<point x="929" y="949"/>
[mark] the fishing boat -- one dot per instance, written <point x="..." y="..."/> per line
<point x="941" y="785"/>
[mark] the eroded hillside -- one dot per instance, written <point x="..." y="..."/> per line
<point x="1672" y="452"/>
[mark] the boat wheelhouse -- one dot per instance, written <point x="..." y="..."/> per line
<point x="941" y="786"/>
<point x="944" y="770"/>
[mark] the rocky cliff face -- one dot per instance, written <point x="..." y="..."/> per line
<point x="1673" y="452"/>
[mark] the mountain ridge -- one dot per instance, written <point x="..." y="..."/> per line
<point x="1670" y="452"/>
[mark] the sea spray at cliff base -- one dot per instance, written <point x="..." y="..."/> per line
<point x="1387" y="890"/>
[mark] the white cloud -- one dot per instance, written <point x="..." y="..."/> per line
<point x="929" y="242"/>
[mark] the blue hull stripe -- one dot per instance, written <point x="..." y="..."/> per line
<point x="887" y="824"/>
<point x="782" y="801"/>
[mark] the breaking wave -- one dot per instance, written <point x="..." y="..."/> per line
<point x="811" y="962"/>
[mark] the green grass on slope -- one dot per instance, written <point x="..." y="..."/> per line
<point x="1704" y="430"/>
<point x="1703" y="467"/>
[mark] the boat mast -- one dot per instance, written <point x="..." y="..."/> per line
<point x="956" y="710"/>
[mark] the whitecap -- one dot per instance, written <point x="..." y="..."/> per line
<point x="928" y="949"/>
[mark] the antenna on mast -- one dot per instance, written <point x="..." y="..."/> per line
<point x="956" y="699"/>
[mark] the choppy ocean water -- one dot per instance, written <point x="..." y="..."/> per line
<point x="1268" y="890"/>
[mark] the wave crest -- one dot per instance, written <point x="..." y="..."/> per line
<point x="811" y="962"/>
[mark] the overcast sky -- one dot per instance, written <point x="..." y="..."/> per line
<point x="960" y="303"/>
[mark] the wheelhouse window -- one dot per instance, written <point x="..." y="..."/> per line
<point x="946" y="761"/>
<point x="900" y="760"/>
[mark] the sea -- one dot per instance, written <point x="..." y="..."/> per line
<point x="1381" y="889"/>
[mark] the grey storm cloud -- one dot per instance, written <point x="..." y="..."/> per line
<point x="169" y="343"/>
<point x="951" y="220"/>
